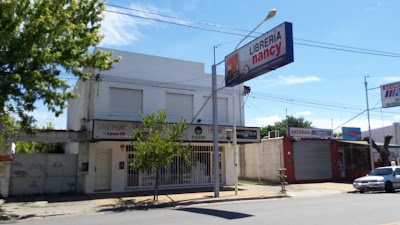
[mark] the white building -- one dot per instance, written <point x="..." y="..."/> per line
<point x="109" y="108"/>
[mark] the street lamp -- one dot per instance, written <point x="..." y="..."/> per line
<point x="270" y="14"/>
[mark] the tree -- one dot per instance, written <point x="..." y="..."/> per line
<point x="35" y="147"/>
<point x="383" y="152"/>
<point x="157" y="145"/>
<point x="281" y="126"/>
<point x="38" y="39"/>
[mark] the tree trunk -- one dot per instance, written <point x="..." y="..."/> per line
<point x="155" y="197"/>
<point x="383" y="152"/>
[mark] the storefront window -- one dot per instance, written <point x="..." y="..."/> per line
<point x="357" y="158"/>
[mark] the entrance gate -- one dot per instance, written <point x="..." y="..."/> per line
<point x="199" y="170"/>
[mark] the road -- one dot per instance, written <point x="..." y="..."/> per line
<point x="352" y="208"/>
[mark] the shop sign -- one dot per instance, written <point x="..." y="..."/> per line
<point x="351" y="133"/>
<point x="310" y="132"/>
<point x="390" y="95"/>
<point x="268" y="52"/>
<point x="124" y="130"/>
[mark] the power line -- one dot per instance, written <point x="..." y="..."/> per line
<point x="356" y="49"/>
<point x="313" y="105"/>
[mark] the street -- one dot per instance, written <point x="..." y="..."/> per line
<point x="352" y="208"/>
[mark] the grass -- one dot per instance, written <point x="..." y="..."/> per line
<point x="6" y="216"/>
<point x="250" y="182"/>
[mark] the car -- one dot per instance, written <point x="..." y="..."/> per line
<point x="380" y="179"/>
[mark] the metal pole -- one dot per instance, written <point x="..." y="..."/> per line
<point x="371" y="154"/>
<point x="234" y="142"/>
<point x="215" y="127"/>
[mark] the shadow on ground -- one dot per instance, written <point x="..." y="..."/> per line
<point x="84" y="197"/>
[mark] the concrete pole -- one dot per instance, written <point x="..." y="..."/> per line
<point x="369" y="126"/>
<point x="235" y="173"/>
<point x="215" y="127"/>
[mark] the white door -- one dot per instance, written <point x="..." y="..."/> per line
<point x="103" y="170"/>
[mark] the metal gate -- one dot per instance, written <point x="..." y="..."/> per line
<point x="43" y="174"/>
<point x="199" y="171"/>
<point x="312" y="160"/>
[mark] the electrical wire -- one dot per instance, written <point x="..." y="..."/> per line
<point x="356" y="49"/>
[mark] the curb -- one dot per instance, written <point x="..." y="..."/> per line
<point x="120" y="208"/>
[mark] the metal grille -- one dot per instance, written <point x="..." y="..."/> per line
<point x="197" y="172"/>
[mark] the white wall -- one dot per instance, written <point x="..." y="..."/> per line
<point x="261" y="161"/>
<point x="157" y="76"/>
<point x="379" y="134"/>
<point x="78" y="107"/>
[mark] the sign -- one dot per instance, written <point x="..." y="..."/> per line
<point x="123" y="130"/>
<point x="351" y="133"/>
<point x="310" y="132"/>
<point x="266" y="53"/>
<point x="390" y="95"/>
<point x="107" y="129"/>
<point x="6" y="158"/>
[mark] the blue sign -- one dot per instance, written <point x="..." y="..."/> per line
<point x="351" y="133"/>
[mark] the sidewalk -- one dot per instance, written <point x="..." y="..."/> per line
<point x="64" y="205"/>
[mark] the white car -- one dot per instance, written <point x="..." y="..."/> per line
<point x="380" y="179"/>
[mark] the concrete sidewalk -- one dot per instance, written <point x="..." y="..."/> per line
<point x="90" y="204"/>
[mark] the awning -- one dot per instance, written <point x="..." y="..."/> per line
<point x="366" y="143"/>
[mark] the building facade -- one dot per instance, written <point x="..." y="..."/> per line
<point x="110" y="106"/>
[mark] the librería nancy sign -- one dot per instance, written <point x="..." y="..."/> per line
<point x="390" y="95"/>
<point x="266" y="53"/>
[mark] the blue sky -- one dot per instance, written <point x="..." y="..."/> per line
<point x="325" y="86"/>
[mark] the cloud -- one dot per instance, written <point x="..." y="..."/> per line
<point x="121" y="29"/>
<point x="190" y="5"/>
<point x="289" y="80"/>
<point x="361" y="123"/>
<point x="392" y="79"/>
<point x="304" y="113"/>
<point x="263" y="121"/>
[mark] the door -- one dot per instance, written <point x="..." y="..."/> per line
<point x="342" y="164"/>
<point x="103" y="170"/>
<point x="312" y="160"/>
<point x="396" y="180"/>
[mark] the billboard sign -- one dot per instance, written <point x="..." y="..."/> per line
<point x="266" y="53"/>
<point x="390" y="94"/>
<point x="351" y="133"/>
<point x="310" y="132"/>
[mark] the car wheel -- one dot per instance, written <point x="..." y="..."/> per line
<point x="389" y="187"/>
<point x="362" y="191"/>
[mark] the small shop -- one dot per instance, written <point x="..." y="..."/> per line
<point x="111" y="151"/>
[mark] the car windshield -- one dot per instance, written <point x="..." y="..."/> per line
<point x="381" y="171"/>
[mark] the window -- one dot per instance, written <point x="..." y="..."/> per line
<point x="178" y="106"/>
<point x="222" y="109"/>
<point x="125" y="102"/>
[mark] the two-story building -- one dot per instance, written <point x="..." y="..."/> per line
<point x="109" y="108"/>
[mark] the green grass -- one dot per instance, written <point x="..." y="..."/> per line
<point x="250" y="182"/>
<point x="6" y="216"/>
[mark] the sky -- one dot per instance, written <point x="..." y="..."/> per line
<point x="326" y="82"/>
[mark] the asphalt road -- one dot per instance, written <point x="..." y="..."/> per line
<point x="352" y="208"/>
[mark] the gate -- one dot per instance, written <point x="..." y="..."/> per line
<point x="198" y="172"/>
<point x="43" y="174"/>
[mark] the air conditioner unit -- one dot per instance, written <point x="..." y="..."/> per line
<point x="273" y="134"/>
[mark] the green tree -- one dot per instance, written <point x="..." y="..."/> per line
<point x="157" y="145"/>
<point x="38" y="38"/>
<point x="36" y="147"/>
<point x="291" y="121"/>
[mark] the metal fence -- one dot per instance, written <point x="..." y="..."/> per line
<point x="199" y="170"/>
